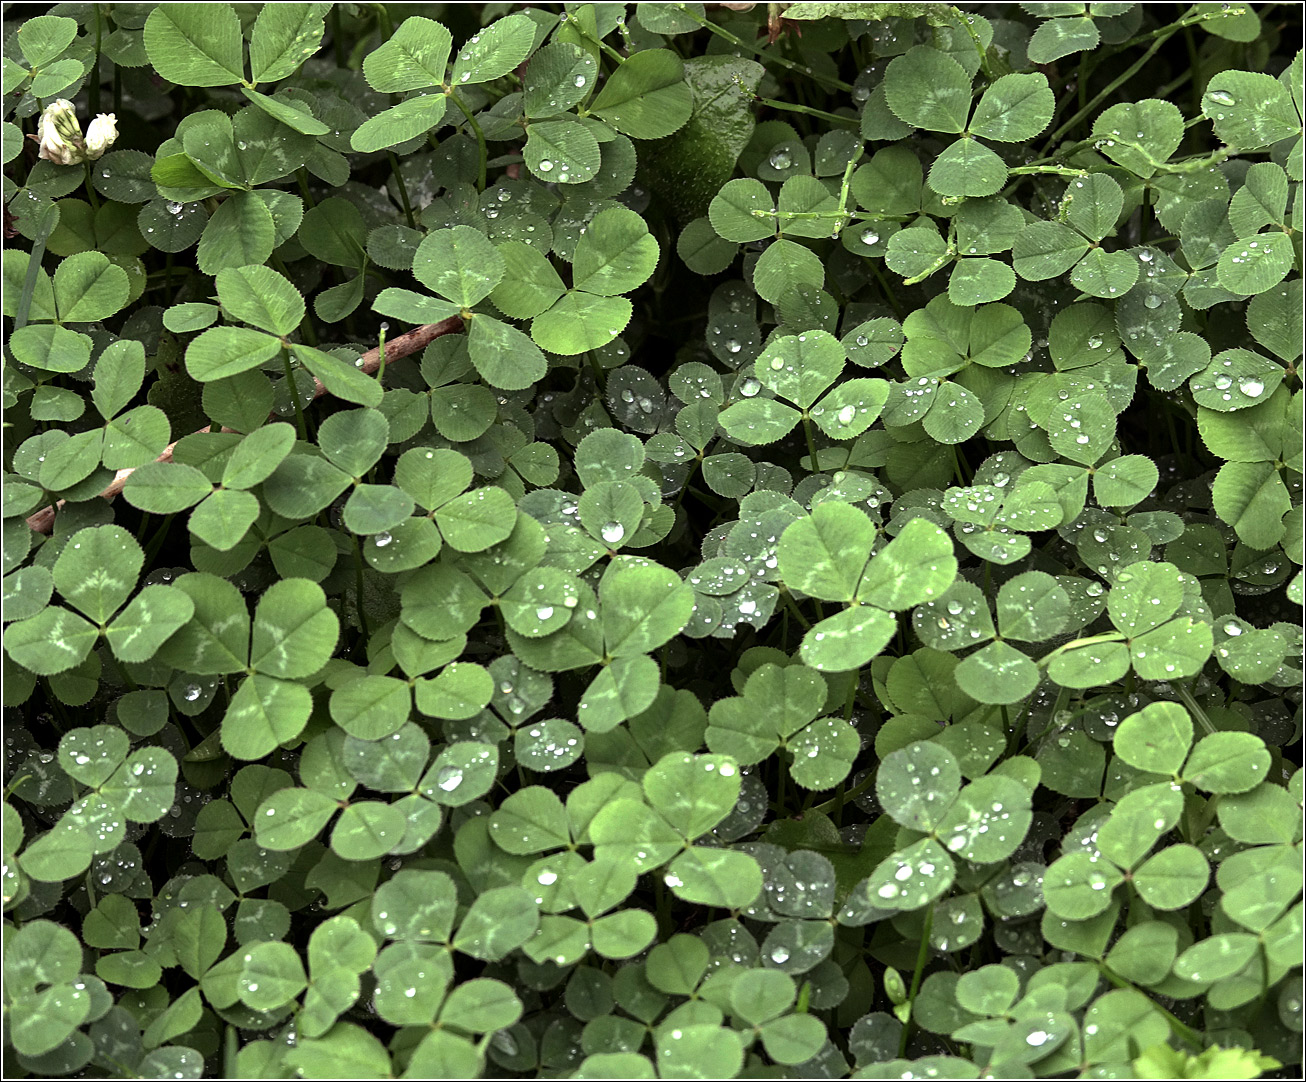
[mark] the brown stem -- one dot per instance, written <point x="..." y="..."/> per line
<point x="417" y="339"/>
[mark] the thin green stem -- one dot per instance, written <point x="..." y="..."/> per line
<point x="969" y="27"/>
<point x="922" y="955"/>
<point x="301" y="175"/>
<point x="1183" y="1032"/>
<point x="358" y="587"/>
<point x="1162" y="36"/>
<point x="480" y="139"/>
<point x="93" y="86"/>
<point x="757" y="50"/>
<point x="807" y="110"/>
<point x="1195" y="708"/>
<point x="403" y="188"/>
<point x="811" y="444"/>
<point x="294" y="394"/>
<point x="612" y="53"/>
<point x="792" y="606"/>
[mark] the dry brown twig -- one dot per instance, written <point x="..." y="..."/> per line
<point x="405" y="345"/>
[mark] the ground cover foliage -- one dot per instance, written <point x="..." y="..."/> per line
<point x="653" y="542"/>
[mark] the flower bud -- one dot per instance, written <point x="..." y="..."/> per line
<point x="100" y="135"/>
<point x="60" y="135"/>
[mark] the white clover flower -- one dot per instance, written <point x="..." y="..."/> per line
<point x="100" y="135"/>
<point x="60" y="135"/>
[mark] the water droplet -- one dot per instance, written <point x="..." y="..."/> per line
<point x="381" y="540"/>
<point x="1221" y="97"/>
<point x="449" y="778"/>
<point x="749" y="387"/>
<point x="546" y="166"/>
<point x="612" y="532"/>
<point x="869" y="237"/>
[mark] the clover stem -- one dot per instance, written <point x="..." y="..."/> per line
<point x="294" y="394"/>
<point x="820" y="114"/>
<point x="811" y="444"/>
<point x="33" y="270"/>
<point x="975" y="40"/>
<point x="1110" y="88"/>
<point x="403" y="188"/>
<point x="122" y="671"/>
<point x="757" y="50"/>
<point x="9" y="789"/>
<point x="922" y="954"/>
<point x="302" y="177"/>
<point x="663" y="907"/>
<point x="792" y="606"/>
<point x="1183" y="1032"/>
<point x="612" y="53"/>
<point x="337" y="38"/>
<point x="358" y="585"/>
<point x="156" y="542"/>
<point x="93" y="84"/>
<point x="480" y="139"/>
<point x="1195" y="708"/>
<point x="888" y="291"/>
<point x="846" y="795"/>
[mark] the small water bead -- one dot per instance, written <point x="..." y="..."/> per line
<point x="1146" y="255"/>
<point x="732" y="346"/>
<point x="628" y="395"/>
<point x="781" y="159"/>
<point x="174" y="208"/>
<point x="869" y="237"/>
<point x="1232" y="628"/>
<point x="1221" y="97"/>
<point x="1095" y="341"/>
<point x="579" y="81"/>
<point x="780" y="955"/>
<point x="612" y="532"/>
<point x="862" y="340"/>
<point x="777" y="363"/>
<point x="546" y="166"/>
<point x="544" y="612"/>
<point x="1251" y="387"/>
<point x="449" y="778"/>
<point x="847" y="414"/>
<point x="749" y="387"/>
